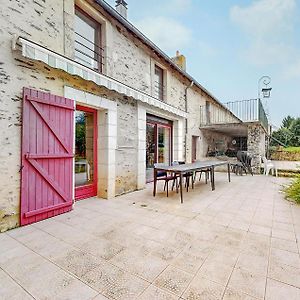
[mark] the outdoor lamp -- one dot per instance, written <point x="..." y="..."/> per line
<point x="266" y="92"/>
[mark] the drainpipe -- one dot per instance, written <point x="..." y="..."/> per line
<point x="186" y="120"/>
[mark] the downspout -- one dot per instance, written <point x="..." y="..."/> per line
<point x="186" y="120"/>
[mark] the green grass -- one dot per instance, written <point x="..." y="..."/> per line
<point x="293" y="191"/>
<point x="292" y="149"/>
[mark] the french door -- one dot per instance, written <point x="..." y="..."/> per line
<point x="158" y="144"/>
<point x="85" y="152"/>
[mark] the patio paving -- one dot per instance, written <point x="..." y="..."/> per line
<point x="238" y="242"/>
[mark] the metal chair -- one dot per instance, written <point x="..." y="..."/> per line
<point x="205" y="171"/>
<point x="187" y="176"/>
<point x="243" y="163"/>
<point x="162" y="175"/>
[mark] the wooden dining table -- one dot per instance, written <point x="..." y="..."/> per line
<point x="182" y="169"/>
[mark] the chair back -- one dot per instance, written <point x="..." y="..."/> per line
<point x="245" y="159"/>
<point x="161" y="173"/>
<point x="157" y="165"/>
<point x="239" y="156"/>
<point x="265" y="161"/>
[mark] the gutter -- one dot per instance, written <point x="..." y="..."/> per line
<point x="111" y="11"/>
<point x="186" y="120"/>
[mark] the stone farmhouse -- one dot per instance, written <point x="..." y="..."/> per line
<point x="88" y="104"/>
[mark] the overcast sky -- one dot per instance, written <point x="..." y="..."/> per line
<point x="230" y="44"/>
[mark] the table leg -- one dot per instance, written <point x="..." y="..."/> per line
<point x="193" y="174"/>
<point x="155" y="181"/>
<point x="228" y="169"/>
<point x="212" y="179"/>
<point x="180" y="186"/>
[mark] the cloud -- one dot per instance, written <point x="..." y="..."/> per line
<point x="265" y="17"/>
<point x="169" y="34"/>
<point x="269" y="27"/>
<point x="179" y="6"/>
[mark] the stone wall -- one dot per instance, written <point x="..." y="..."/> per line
<point x="43" y="22"/>
<point x="216" y="141"/>
<point x="256" y="144"/>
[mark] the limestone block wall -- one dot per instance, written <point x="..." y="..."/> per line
<point x="194" y="100"/>
<point x="256" y="144"/>
<point x="215" y="140"/>
<point x="49" y="23"/>
<point x="42" y="21"/>
<point x="127" y="142"/>
<point x="128" y="63"/>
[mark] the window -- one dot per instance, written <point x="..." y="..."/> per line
<point x="159" y="83"/>
<point x="88" y="49"/>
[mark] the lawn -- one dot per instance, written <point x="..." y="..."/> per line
<point x="292" y="149"/>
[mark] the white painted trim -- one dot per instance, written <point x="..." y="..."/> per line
<point x="107" y="136"/>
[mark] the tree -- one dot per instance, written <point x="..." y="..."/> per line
<point x="287" y="121"/>
<point x="288" y="134"/>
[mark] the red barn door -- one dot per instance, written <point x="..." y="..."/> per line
<point x="47" y="156"/>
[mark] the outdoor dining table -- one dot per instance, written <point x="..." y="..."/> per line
<point x="191" y="167"/>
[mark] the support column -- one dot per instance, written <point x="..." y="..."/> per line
<point x="256" y="145"/>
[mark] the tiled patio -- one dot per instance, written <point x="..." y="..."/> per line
<point x="238" y="242"/>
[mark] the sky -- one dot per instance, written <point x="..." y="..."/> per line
<point x="229" y="45"/>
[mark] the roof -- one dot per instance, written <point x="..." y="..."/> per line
<point x="129" y="26"/>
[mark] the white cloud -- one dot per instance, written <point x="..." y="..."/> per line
<point x="179" y="6"/>
<point x="167" y="33"/>
<point x="265" y="17"/>
<point x="269" y="25"/>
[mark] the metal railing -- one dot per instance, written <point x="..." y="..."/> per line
<point x="215" y="115"/>
<point x="88" y="53"/>
<point x="246" y="110"/>
<point x="159" y="91"/>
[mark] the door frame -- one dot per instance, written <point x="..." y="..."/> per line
<point x="163" y="125"/>
<point x="195" y="139"/>
<point x="89" y="190"/>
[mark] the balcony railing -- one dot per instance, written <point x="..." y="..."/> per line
<point x="88" y="53"/>
<point x="159" y="91"/>
<point x="215" y="115"/>
<point x="245" y="110"/>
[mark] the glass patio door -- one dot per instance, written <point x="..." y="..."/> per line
<point x="85" y="152"/>
<point x="158" y="144"/>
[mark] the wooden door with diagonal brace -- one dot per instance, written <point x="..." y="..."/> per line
<point x="47" y="156"/>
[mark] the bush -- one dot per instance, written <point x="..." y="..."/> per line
<point x="293" y="191"/>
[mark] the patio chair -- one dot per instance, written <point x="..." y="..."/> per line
<point x="246" y="160"/>
<point x="243" y="164"/>
<point x="161" y="175"/>
<point x="205" y="171"/>
<point x="187" y="176"/>
<point x="269" y="166"/>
